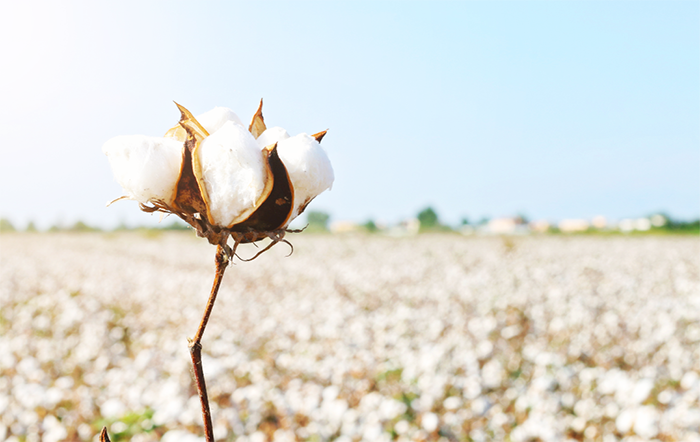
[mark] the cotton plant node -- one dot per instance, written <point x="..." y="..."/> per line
<point x="276" y="237"/>
<point x="227" y="182"/>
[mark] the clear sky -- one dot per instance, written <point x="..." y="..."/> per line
<point x="555" y="110"/>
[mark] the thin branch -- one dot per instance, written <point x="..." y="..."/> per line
<point x="196" y="344"/>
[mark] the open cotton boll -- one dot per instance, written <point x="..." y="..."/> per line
<point x="272" y="136"/>
<point x="233" y="171"/>
<point x="148" y="168"/>
<point x="214" y="119"/>
<point x="308" y="166"/>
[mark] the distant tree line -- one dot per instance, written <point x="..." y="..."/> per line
<point x="318" y="222"/>
<point x="680" y="226"/>
<point x="81" y="227"/>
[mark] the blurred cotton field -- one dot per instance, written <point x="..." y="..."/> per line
<point x="353" y="338"/>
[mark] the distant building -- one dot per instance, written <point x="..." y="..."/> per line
<point x="506" y="226"/>
<point x="407" y="227"/>
<point x="540" y="226"/>
<point x="599" y="222"/>
<point x="344" y="227"/>
<point x="658" y="220"/>
<point x="629" y="224"/>
<point x="642" y="224"/>
<point x="626" y="225"/>
<point x="573" y="225"/>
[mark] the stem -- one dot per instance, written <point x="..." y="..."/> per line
<point x="196" y="344"/>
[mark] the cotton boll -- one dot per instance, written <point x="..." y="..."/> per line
<point x="430" y="422"/>
<point x="309" y="169"/>
<point x="147" y="168"/>
<point x="233" y="172"/>
<point x="271" y="136"/>
<point x="645" y="422"/>
<point x="214" y="119"/>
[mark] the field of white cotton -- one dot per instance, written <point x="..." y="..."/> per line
<point x="352" y="338"/>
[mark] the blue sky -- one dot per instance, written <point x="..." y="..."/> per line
<point x="551" y="109"/>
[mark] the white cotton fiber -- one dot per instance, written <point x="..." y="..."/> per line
<point x="147" y="168"/>
<point x="214" y="119"/>
<point x="232" y="167"/>
<point x="271" y="136"/>
<point x="308" y="166"/>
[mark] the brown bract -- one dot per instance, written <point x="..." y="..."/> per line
<point x="257" y="125"/>
<point x="268" y="218"/>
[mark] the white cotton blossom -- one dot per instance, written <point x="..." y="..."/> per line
<point x="271" y="136"/>
<point x="214" y="119"/>
<point x="306" y="161"/>
<point x="222" y="178"/>
<point x="147" y="168"/>
<point x="430" y="422"/>
<point x="645" y="422"/>
<point x="233" y="172"/>
<point x="309" y="169"/>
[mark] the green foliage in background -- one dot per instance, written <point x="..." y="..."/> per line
<point x="127" y="426"/>
<point x="6" y="225"/>
<point x="430" y="222"/>
<point x="80" y="226"/>
<point x="675" y="226"/>
<point x="370" y="227"/>
<point x="317" y="222"/>
<point x="428" y="219"/>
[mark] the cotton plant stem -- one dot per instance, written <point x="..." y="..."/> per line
<point x="196" y="344"/>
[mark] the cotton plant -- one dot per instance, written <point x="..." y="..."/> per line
<point x="223" y="179"/>
<point x="228" y="182"/>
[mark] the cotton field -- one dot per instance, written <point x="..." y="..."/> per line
<point x="352" y="338"/>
